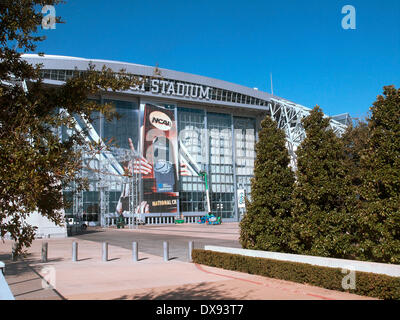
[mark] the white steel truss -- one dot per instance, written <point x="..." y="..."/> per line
<point x="288" y="115"/>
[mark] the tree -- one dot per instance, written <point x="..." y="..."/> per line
<point x="379" y="217"/>
<point x="35" y="165"/>
<point x="265" y="225"/>
<point x="355" y="141"/>
<point x="323" y="198"/>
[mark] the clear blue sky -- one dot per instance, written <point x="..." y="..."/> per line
<point x="301" y="42"/>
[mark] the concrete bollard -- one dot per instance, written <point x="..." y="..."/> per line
<point x="166" y="251"/>
<point x="105" y="251"/>
<point x="74" y="251"/>
<point x="135" y="252"/>
<point x="44" y="251"/>
<point x="190" y="251"/>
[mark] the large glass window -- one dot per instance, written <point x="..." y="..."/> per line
<point x="221" y="164"/>
<point x="91" y="204"/>
<point x="192" y="140"/>
<point x="119" y="130"/>
<point x="104" y="171"/>
<point x="85" y="204"/>
<point x="125" y="127"/>
<point x="244" y="130"/>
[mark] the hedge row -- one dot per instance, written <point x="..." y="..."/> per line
<point x="367" y="284"/>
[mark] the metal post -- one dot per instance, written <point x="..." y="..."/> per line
<point x="135" y="252"/>
<point x="190" y="251"/>
<point x="44" y="251"/>
<point x="166" y="249"/>
<point x="105" y="251"/>
<point x="74" y="251"/>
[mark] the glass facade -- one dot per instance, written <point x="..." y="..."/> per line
<point x="245" y="138"/>
<point x="117" y="133"/>
<point x="221" y="164"/>
<point x="244" y="151"/>
<point x="104" y="190"/>
<point x="191" y="127"/>
<point x="91" y="205"/>
<point x="222" y="145"/>
<point x="120" y="130"/>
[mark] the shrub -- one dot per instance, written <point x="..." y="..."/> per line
<point x="367" y="284"/>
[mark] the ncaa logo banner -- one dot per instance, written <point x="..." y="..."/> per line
<point x="160" y="120"/>
<point x="159" y="146"/>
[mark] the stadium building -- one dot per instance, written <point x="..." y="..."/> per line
<point x="188" y="140"/>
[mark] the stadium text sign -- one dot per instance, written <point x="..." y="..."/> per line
<point x="173" y="88"/>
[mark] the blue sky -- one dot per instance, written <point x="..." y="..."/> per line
<point x="301" y="42"/>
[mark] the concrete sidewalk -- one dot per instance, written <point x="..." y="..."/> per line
<point x="150" y="278"/>
<point x="151" y="237"/>
<point x="25" y="281"/>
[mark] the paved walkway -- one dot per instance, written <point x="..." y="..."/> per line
<point x="151" y="237"/>
<point x="150" y="278"/>
<point x="25" y="281"/>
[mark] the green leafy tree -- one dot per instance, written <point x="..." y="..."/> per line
<point x="35" y="165"/>
<point x="355" y="141"/>
<point x="323" y="198"/>
<point x="265" y="225"/>
<point x="379" y="217"/>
